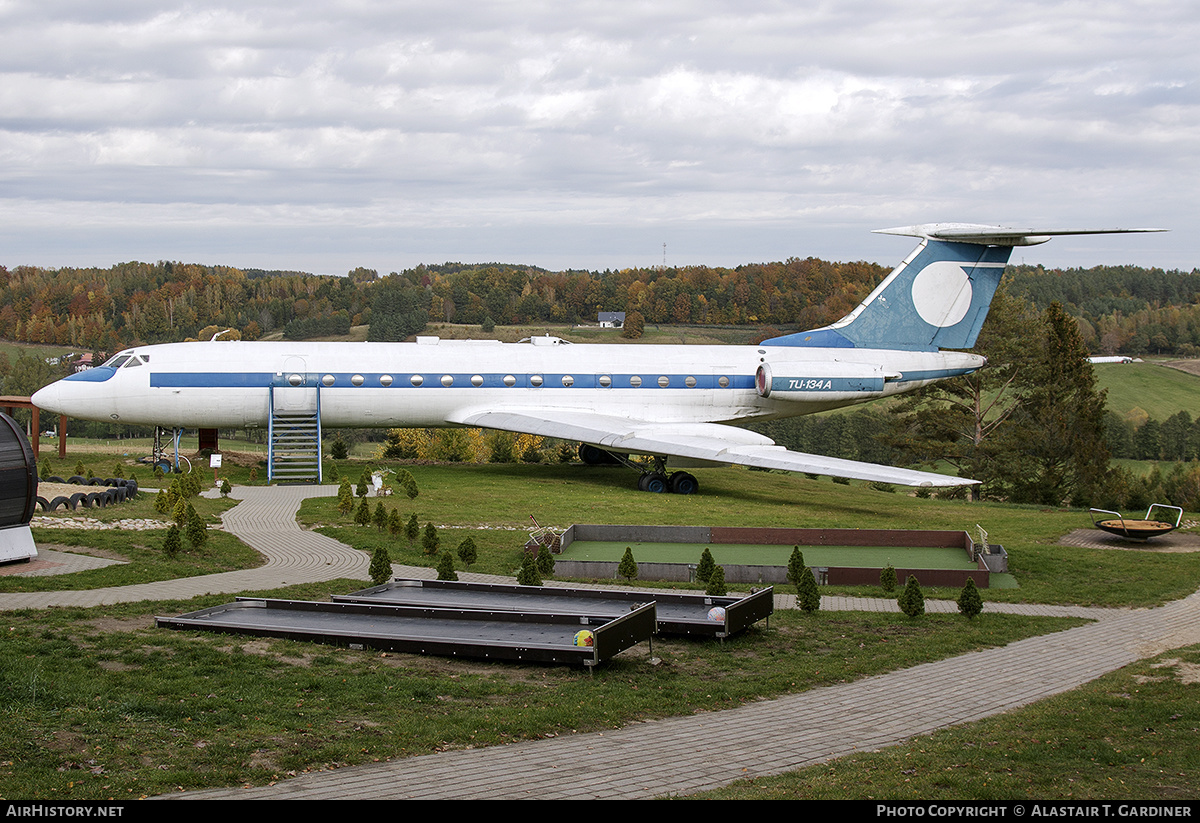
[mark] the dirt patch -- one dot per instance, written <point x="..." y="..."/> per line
<point x="121" y="624"/>
<point x="1173" y="543"/>
<point x="1189" y="366"/>
<point x="88" y="550"/>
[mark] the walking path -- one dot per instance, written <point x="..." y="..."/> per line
<point x="685" y="754"/>
<point x="266" y="521"/>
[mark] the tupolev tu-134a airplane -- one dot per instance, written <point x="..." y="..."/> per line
<point x="678" y="404"/>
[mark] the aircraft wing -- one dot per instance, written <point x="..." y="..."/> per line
<point x="696" y="441"/>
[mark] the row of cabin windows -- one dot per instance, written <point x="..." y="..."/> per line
<point x="536" y="380"/>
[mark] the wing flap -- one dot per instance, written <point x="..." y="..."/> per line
<point x="695" y="441"/>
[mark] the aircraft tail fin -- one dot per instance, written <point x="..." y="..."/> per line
<point x="939" y="296"/>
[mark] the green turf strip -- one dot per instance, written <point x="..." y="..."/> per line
<point x="868" y="557"/>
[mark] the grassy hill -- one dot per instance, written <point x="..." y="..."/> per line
<point x="1156" y="388"/>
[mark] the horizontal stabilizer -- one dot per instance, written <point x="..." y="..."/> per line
<point x="994" y="235"/>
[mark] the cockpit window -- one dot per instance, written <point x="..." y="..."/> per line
<point x="117" y="362"/>
<point x="133" y="361"/>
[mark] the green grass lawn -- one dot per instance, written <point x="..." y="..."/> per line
<point x="759" y="555"/>
<point x="99" y="703"/>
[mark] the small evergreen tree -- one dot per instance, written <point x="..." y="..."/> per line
<point x="162" y="503"/>
<point x="808" y="597"/>
<point x="364" y="484"/>
<point x="338" y="449"/>
<point x="381" y="566"/>
<point x="395" y="523"/>
<point x="467" y="552"/>
<point x="704" y="568"/>
<point x="445" y="567"/>
<point x="412" y="530"/>
<point x="197" y="534"/>
<point x="627" y="568"/>
<point x="969" y="602"/>
<point x="172" y="543"/>
<point x="716" y="583"/>
<point x="430" y="541"/>
<point x="179" y="512"/>
<point x="545" y="561"/>
<point x="44" y="470"/>
<point x="409" y="483"/>
<point x="381" y="516"/>
<point x="795" y="567"/>
<point x="912" y="599"/>
<point x="362" y="515"/>
<point x="225" y="487"/>
<point x="887" y="579"/>
<point x="528" y="574"/>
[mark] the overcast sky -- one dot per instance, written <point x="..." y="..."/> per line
<point x="321" y="136"/>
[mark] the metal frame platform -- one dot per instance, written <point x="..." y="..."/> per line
<point x="475" y="633"/>
<point x="677" y="614"/>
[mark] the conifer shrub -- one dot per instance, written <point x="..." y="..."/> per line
<point x="528" y="573"/>
<point x="412" y="530"/>
<point x="796" y="567"/>
<point x="395" y="523"/>
<point x="430" y="540"/>
<point x="197" y="533"/>
<point x="338" y="449"/>
<point x="381" y="566"/>
<point x="912" y="599"/>
<point x="468" y="553"/>
<point x="627" y="568"/>
<point x="380" y="517"/>
<point x="362" y="515"/>
<point x="172" y="543"/>
<point x="969" y="602"/>
<point x="716" y="583"/>
<point x="808" y="598"/>
<point x="887" y="579"/>
<point x="704" y="568"/>
<point x="225" y="487"/>
<point x="445" y="567"/>
<point x="545" y="561"/>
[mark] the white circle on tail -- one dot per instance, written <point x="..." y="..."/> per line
<point x="941" y="293"/>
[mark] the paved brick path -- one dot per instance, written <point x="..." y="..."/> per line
<point x="686" y="754"/>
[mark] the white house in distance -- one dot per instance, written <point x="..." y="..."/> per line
<point x="612" y="319"/>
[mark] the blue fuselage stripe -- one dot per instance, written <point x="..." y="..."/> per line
<point x="239" y="380"/>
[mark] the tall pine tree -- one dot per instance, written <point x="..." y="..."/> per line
<point x="1054" y="447"/>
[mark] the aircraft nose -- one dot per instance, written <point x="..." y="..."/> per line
<point x="49" y="398"/>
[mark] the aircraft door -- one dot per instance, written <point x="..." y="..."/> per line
<point x="295" y="388"/>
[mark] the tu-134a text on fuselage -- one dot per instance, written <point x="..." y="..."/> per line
<point x="677" y="403"/>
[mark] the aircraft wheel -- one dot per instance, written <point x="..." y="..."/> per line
<point x="684" y="483"/>
<point x="654" y="482"/>
<point x="591" y="455"/>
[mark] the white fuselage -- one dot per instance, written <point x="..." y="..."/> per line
<point x="436" y="382"/>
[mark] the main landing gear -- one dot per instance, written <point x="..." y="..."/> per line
<point x="655" y="480"/>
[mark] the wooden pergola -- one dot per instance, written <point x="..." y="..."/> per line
<point x="10" y="402"/>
